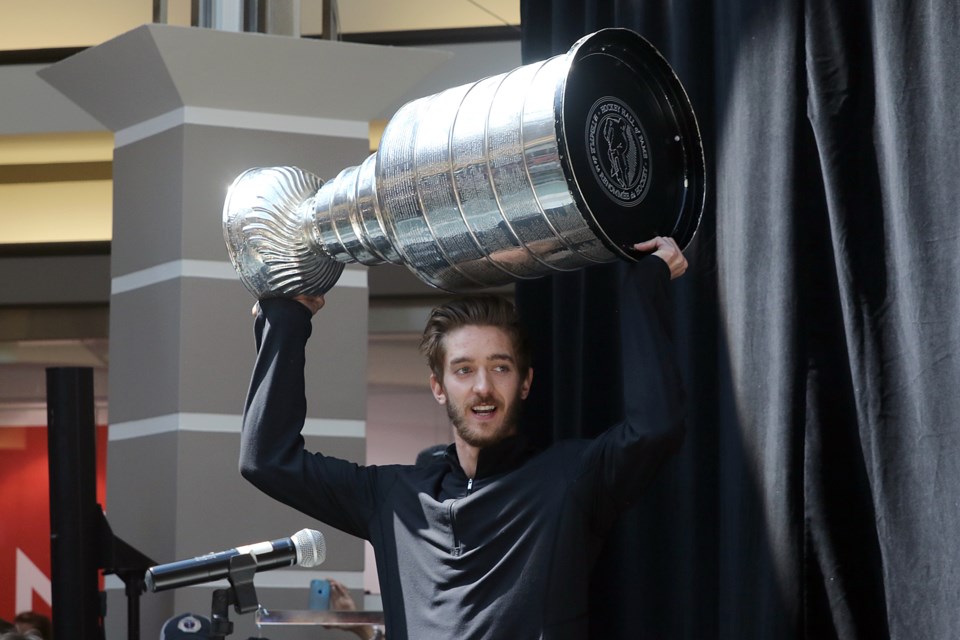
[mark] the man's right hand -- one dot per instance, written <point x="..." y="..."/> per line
<point x="313" y="303"/>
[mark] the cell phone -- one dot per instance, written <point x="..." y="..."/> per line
<point x="319" y="595"/>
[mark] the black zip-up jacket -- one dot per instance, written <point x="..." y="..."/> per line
<point x="506" y="555"/>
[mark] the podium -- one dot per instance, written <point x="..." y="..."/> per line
<point x="307" y="617"/>
<point x="190" y="109"/>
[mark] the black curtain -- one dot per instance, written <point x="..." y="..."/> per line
<point x="818" y="492"/>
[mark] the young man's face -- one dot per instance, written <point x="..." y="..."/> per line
<point x="481" y="387"/>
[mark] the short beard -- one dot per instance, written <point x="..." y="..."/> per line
<point x="508" y="428"/>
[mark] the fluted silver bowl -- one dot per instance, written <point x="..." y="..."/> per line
<point x="553" y="166"/>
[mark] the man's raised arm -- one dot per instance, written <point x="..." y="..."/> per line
<point x="626" y="457"/>
<point x="272" y="454"/>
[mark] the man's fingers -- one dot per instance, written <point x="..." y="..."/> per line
<point x="656" y="244"/>
<point x="647" y="245"/>
<point x="313" y="303"/>
<point x="668" y="250"/>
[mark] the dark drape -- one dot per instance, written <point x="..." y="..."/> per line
<point x="818" y="492"/>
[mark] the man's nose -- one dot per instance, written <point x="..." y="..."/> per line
<point x="481" y="382"/>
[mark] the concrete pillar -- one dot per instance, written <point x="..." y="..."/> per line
<point x="191" y="109"/>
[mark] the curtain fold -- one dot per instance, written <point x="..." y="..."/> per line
<point x="818" y="492"/>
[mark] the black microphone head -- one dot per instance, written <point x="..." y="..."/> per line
<point x="311" y="547"/>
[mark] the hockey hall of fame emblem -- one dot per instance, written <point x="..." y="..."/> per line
<point x="619" y="155"/>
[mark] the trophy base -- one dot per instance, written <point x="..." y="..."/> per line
<point x="635" y="157"/>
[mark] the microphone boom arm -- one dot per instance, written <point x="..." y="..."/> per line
<point x="241" y="594"/>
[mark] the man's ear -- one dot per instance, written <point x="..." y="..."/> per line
<point x="525" y="387"/>
<point x="437" y="387"/>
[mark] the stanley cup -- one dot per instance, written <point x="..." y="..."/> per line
<point x="550" y="167"/>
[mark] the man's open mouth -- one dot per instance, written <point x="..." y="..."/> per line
<point x="483" y="409"/>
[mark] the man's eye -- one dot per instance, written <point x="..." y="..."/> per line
<point x="462" y="371"/>
<point x="501" y="368"/>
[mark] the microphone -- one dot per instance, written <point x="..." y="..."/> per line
<point x="306" y="548"/>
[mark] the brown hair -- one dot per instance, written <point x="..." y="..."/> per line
<point x="477" y="311"/>
<point x="36" y="620"/>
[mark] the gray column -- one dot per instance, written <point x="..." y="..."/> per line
<point x="191" y="109"/>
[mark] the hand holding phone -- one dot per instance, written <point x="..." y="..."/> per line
<point x="319" y="595"/>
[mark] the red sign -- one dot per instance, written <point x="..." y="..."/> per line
<point x="25" y="517"/>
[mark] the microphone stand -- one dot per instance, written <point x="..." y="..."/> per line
<point x="123" y="560"/>
<point x="241" y="594"/>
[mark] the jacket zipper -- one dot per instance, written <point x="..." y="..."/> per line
<point x="457" y="547"/>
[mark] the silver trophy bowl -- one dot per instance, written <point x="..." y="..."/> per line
<point x="550" y="167"/>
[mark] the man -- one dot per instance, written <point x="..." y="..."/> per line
<point x="31" y="622"/>
<point x="498" y="541"/>
<point x="341" y="600"/>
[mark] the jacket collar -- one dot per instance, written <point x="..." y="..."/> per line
<point x="499" y="458"/>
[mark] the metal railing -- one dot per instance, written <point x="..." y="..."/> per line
<point x="278" y="17"/>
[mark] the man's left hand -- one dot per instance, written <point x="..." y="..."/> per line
<point x="667" y="250"/>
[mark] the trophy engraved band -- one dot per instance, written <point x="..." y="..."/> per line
<point x="550" y="167"/>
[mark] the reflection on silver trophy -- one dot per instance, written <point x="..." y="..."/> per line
<point x="550" y="167"/>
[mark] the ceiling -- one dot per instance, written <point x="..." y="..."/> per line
<point x="40" y="171"/>
<point x="46" y="24"/>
